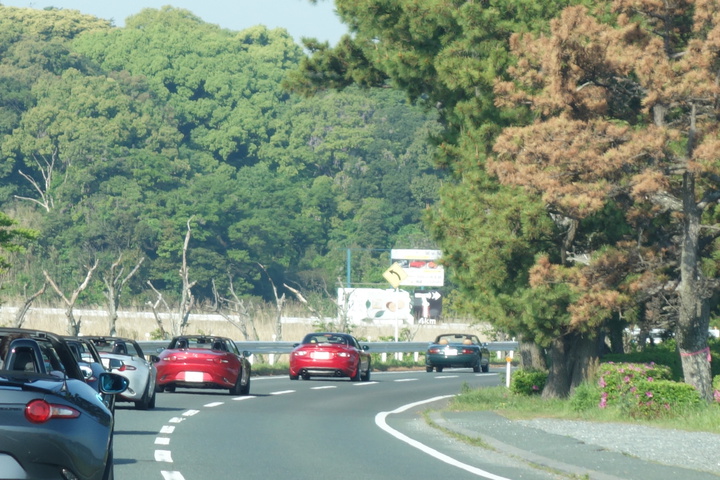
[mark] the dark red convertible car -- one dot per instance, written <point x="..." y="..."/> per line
<point x="330" y="355"/>
<point x="203" y="362"/>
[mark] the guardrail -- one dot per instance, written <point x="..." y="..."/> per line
<point x="279" y="348"/>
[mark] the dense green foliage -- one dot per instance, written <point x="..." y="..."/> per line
<point x="111" y="139"/>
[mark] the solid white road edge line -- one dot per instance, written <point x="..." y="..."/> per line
<point x="380" y="422"/>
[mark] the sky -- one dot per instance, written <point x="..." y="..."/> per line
<point x="299" y="17"/>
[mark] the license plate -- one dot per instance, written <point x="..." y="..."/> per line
<point x="321" y="355"/>
<point x="449" y="352"/>
<point x="193" y="376"/>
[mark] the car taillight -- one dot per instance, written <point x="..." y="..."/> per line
<point x="220" y="360"/>
<point x="467" y="351"/>
<point x="434" y="350"/>
<point x="126" y="368"/>
<point x="40" y="411"/>
<point x="343" y="354"/>
<point x="300" y="353"/>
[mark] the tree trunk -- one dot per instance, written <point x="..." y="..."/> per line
<point x="558" y="381"/>
<point x="571" y="358"/>
<point x="694" y="315"/>
<point x="531" y="357"/>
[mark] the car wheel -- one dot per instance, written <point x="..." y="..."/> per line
<point x="365" y="377"/>
<point x="159" y="388"/>
<point x="245" y="389"/>
<point x="486" y="368"/>
<point x="169" y="388"/>
<point x="428" y="369"/>
<point x="439" y="369"/>
<point x="305" y="376"/>
<point x="294" y="377"/>
<point x="476" y="368"/>
<point x="151" y="403"/>
<point x="237" y="388"/>
<point x="144" y="402"/>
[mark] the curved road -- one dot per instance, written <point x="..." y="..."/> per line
<point x="316" y="429"/>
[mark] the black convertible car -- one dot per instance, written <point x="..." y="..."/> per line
<point x="457" y="350"/>
<point x="52" y="423"/>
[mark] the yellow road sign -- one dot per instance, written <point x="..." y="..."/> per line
<point x="395" y="274"/>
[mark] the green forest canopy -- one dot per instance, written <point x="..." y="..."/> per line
<point x="113" y="138"/>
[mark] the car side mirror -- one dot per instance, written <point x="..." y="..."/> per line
<point x="154" y="358"/>
<point x="246" y="354"/>
<point x="112" y="383"/>
<point x="366" y="347"/>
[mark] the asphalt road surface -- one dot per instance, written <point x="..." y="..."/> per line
<point x="316" y="429"/>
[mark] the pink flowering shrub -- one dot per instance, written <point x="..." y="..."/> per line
<point x="643" y="390"/>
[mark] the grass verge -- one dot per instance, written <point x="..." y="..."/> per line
<point x="702" y="418"/>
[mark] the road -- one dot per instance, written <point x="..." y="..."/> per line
<point x="316" y="429"/>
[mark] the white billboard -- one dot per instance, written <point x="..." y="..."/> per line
<point x="422" y="267"/>
<point x="375" y="305"/>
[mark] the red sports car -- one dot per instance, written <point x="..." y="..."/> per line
<point x="203" y="362"/>
<point x="330" y="355"/>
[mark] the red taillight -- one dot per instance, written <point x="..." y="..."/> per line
<point x="126" y="368"/>
<point x="343" y="354"/>
<point x="468" y="351"/>
<point x="300" y="353"/>
<point x="40" y="411"/>
<point x="434" y="350"/>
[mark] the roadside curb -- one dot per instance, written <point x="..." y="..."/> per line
<point x="525" y="456"/>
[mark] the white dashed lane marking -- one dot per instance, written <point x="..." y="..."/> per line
<point x="213" y="404"/>
<point x="162" y="441"/>
<point x="172" y="475"/>
<point x="406" y="380"/>
<point x="163" y="456"/>
<point x="282" y="392"/>
<point x="323" y="388"/>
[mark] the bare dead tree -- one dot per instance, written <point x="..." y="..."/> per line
<point x="22" y="311"/>
<point x="238" y="309"/>
<point x="187" y="299"/>
<point x="46" y="200"/>
<point x="154" y="306"/>
<point x="114" y="284"/>
<point x="73" y="324"/>
<point x="279" y="301"/>
<point x="315" y="313"/>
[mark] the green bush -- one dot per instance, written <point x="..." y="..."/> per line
<point x="585" y="397"/>
<point x="662" y="398"/>
<point x="716" y="388"/>
<point x="528" y="381"/>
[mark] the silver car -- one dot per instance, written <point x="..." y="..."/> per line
<point x="136" y="367"/>
<point x="52" y="423"/>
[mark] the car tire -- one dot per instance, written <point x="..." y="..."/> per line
<point x="236" y="389"/>
<point x="169" y="388"/>
<point x="305" y="376"/>
<point x="429" y="369"/>
<point x="245" y="389"/>
<point x="476" y="368"/>
<point x="151" y="403"/>
<point x="356" y="376"/>
<point x="439" y="369"/>
<point x="294" y="377"/>
<point x="486" y="368"/>
<point x="365" y="377"/>
<point x="146" y="399"/>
